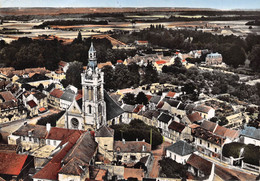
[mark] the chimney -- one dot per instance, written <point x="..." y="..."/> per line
<point x="123" y="140"/>
<point x="48" y="127"/>
<point x="143" y="148"/>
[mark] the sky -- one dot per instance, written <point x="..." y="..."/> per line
<point x="216" y="4"/>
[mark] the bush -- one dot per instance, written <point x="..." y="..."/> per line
<point x="137" y="129"/>
<point x="50" y="119"/>
<point x="251" y="152"/>
<point x="172" y="169"/>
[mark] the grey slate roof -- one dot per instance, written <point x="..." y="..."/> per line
<point x="171" y="102"/>
<point x="105" y="131"/>
<point x="50" y="87"/>
<point x="181" y="148"/>
<point x="128" y="108"/>
<point x="164" y="118"/>
<point x="155" y="99"/>
<point x="68" y="95"/>
<point x="251" y="132"/>
<point x="113" y="110"/>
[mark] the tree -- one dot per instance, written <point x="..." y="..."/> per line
<point x="109" y="78"/>
<point x="235" y="56"/>
<point x="129" y="99"/>
<point x="177" y="62"/>
<point x="254" y="57"/>
<point x="40" y="87"/>
<point x="141" y="98"/>
<point x="73" y="74"/>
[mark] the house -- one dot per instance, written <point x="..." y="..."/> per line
<point x="213" y="59"/>
<point x="176" y="108"/>
<point x="199" y="167"/>
<point x="102" y="65"/>
<point x="35" y="101"/>
<point x="164" y="120"/>
<point x="159" y="65"/>
<point x="178" y="131"/>
<point x="207" y="142"/>
<point x="14" y="166"/>
<point x="149" y="117"/>
<point x="54" y="97"/>
<point x="67" y="98"/>
<point x="10" y="109"/>
<point x="192" y="118"/>
<point x="154" y="102"/>
<point x="36" y="80"/>
<point x="206" y="112"/>
<point x="180" y="151"/>
<point x="73" y="160"/>
<point x="229" y="134"/>
<point x="131" y="151"/>
<point x="105" y="139"/>
<point x="250" y="135"/>
<point x="141" y="43"/>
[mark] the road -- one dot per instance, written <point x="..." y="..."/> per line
<point x="158" y="153"/>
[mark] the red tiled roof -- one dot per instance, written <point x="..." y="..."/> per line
<point x="132" y="146"/>
<point x="133" y="173"/>
<point x="194" y="117"/>
<point x="138" y="108"/>
<point x="56" y="93"/>
<point x="171" y="94"/>
<point x="42" y="109"/>
<point x="31" y="103"/>
<point x="160" y="105"/>
<point x="200" y="164"/>
<point x="178" y="127"/>
<point x="101" y="173"/>
<point x="79" y="95"/>
<point x="225" y="132"/>
<point x="119" y="61"/>
<point x="142" y="41"/>
<point x="51" y="170"/>
<point x="8" y="96"/>
<point x="149" y="97"/>
<point x="101" y="65"/>
<point x="11" y="163"/>
<point x="61" y="133"/>
<point x="183" y="60"/>
<point x="159" y="62"/>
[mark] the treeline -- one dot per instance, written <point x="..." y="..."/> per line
<point x="253" y="23"/>
<point x="28" y="53"/>
<point x="69" y="23"/>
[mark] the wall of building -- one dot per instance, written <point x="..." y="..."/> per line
<point x="176" y="157"/>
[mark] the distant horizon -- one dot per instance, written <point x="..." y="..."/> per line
<point x="209" y="4"/>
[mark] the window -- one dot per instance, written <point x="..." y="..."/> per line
<point x="35" y="140"/>
<point x="216" y="150"/>
<point x="74" y="123"/>
<point x="208" y="145"/>
<point x="30" y="139"/>
<point x="89" y="109"/>
<point x="133" y="157"/>
<point x="174" y="157"/>
<point x="54" y="142"/>
<point x="200" y="141"/>
<point x="48" y="142"/>
<point x="23" y="138"/>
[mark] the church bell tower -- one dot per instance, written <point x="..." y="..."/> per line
<point x="93" y="104"/>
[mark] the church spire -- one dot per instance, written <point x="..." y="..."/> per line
<point x="92" y="59"/>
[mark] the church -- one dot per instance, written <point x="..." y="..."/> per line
<point x="96" y="108"/>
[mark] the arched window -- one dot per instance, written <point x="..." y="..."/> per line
<point x="89" y="109"/>
<point x="99" y="109"/>
<point x="74" y="123"/>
